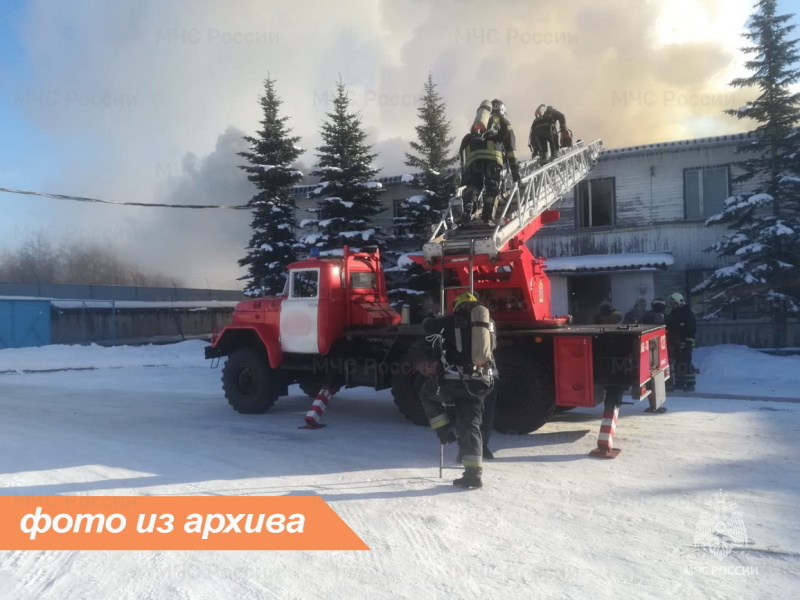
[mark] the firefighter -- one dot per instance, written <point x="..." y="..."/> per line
<point x="544" y="134"/>
<point x="483" y="154"/>
<point x="459" y="383"/>
<point x="636" y="314"/>
<point x="427" y="366"/>
<point x="608" y="315"/>
<point x="655" y="316"/>
<point x="681" y="328"/>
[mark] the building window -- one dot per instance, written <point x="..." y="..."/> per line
<point x="705" y="191"/>
<point x="594" y="203"/>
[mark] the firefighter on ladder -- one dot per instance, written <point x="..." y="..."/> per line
<point x="543" y="140"/>
<point x="484" y="150"/>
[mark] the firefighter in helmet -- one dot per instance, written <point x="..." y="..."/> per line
<point x="543" y="140"/>
<point x="681" y="328"/>
<point x="483" y="152"/>
<point x="460" y="383"/>
<point x="608" y="315"/>
<point x="656" y="316"/>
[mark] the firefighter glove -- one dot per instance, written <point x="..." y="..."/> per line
<point x="446" y="435"/>
<point x="691" y="343"/>
<point x="515" y="177"/>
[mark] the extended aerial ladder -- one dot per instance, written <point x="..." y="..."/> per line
<point x="540" y="187"/>
<point x="495" y="257"/>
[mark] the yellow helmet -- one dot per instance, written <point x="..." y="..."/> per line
<point x="463" y="297"/>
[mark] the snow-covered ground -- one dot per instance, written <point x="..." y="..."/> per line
<point x="550" y="523"/>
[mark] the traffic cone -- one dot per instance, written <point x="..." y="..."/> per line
<point x="605" y="441"/>
<point x="318" y="407"/>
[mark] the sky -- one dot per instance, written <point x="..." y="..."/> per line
<point x="139" y="100"/>
<point x="716" y="472"/>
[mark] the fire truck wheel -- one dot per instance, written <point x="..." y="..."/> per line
<point x="406" y="385"/>
<point x="248" y="381"/>
<point x="526" y="396"/>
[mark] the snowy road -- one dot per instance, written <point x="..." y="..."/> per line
<point x="550" y="523"/>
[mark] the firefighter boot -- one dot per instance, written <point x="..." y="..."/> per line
<point x="489" y="208"/>
<point x="471" y="478"/>
<point x="470" y="200"/>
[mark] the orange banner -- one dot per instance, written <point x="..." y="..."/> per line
<point x="172" y="523"/>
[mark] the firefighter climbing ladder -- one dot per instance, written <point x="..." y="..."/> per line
<point x="538" y="190"/>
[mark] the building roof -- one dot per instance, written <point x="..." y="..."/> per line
<point x="598" y="263"/>
<point x="693" y="144"/>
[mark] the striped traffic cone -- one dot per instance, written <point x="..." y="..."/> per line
<point x="318" y="407"/>
<point x="605" y="441"/>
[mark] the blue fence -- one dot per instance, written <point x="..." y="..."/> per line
<point x="24" y="323"/>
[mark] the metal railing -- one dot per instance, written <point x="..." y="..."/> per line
<point x="539" y="189"/>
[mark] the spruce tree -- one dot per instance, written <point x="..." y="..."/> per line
<point x="764" y="243"/>
<point x="349" y="196"/>
<point x="273" y="245"/>
<point x="431" y="158"/>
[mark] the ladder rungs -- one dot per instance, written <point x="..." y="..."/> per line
<point x="453" y="263"/>
<point x="543" y="186"/>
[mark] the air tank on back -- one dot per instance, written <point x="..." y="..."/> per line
<point x="482" y="117"/>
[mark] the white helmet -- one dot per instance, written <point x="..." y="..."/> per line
<point x="677" y="299"/>
<point x="540" y="110"/>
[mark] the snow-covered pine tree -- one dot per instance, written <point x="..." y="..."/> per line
<point x="765" y="224"/>
<point x="431" y="158"/>
<point x="349" y="195"/>
<point x="273" y="244"/>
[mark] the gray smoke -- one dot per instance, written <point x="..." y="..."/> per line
<point x="163" y="91"/>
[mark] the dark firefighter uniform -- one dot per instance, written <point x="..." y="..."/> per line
<point x="482" y="160"/>
<point x="453" y="387"/>
<point x="656" y="316"/>
<point x="681" y="327"/>
<point x="544" y="133"/>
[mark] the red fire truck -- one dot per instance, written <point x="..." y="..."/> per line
<point x="334" y="317"/>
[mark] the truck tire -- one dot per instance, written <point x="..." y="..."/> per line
<point x="526" y="396"/>
<point x="406" y="385"/>
<point x="249" y="382"/>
